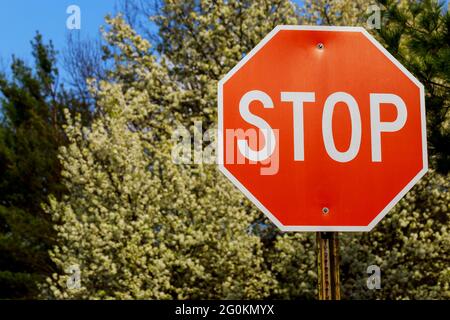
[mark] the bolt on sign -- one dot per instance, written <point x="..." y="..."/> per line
<point x="321" y="128"/>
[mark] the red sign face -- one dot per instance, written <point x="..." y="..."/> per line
<point x="322" y="129"/>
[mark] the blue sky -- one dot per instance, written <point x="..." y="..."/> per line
<point x="20" y="19"/>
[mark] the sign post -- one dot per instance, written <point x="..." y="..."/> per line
<point x="328" y="266"/>
<point x="324" y="131"/>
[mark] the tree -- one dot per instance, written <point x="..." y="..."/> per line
<point x="30" y="133"/>
<point x="202" y="42"/>
<point x="83" y="59"/>
<point x="418" y="35"/>
<point x="335" y="12"/>
<point x="137" y="224"/>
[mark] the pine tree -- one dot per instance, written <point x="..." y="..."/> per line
<point x="30" y="134"/>
<point x="418" y="35"/>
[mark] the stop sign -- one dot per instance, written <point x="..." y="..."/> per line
<point x="321" y="128"/>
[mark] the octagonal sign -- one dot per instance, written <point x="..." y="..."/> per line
<point x="321" y="128"/>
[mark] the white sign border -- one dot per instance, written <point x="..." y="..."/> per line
<point x="253" y="199"/>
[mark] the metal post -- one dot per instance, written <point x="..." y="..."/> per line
<point x="328" y="266"/>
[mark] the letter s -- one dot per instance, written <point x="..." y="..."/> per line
<point x="258" y="122"/>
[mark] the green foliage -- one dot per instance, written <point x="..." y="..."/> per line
<point x="410" y="245"/>
<point x="418" y="35"/>
<point x="137" y="224"/>
<point x="203" y="40"/>
<point x="30" y="133"/>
